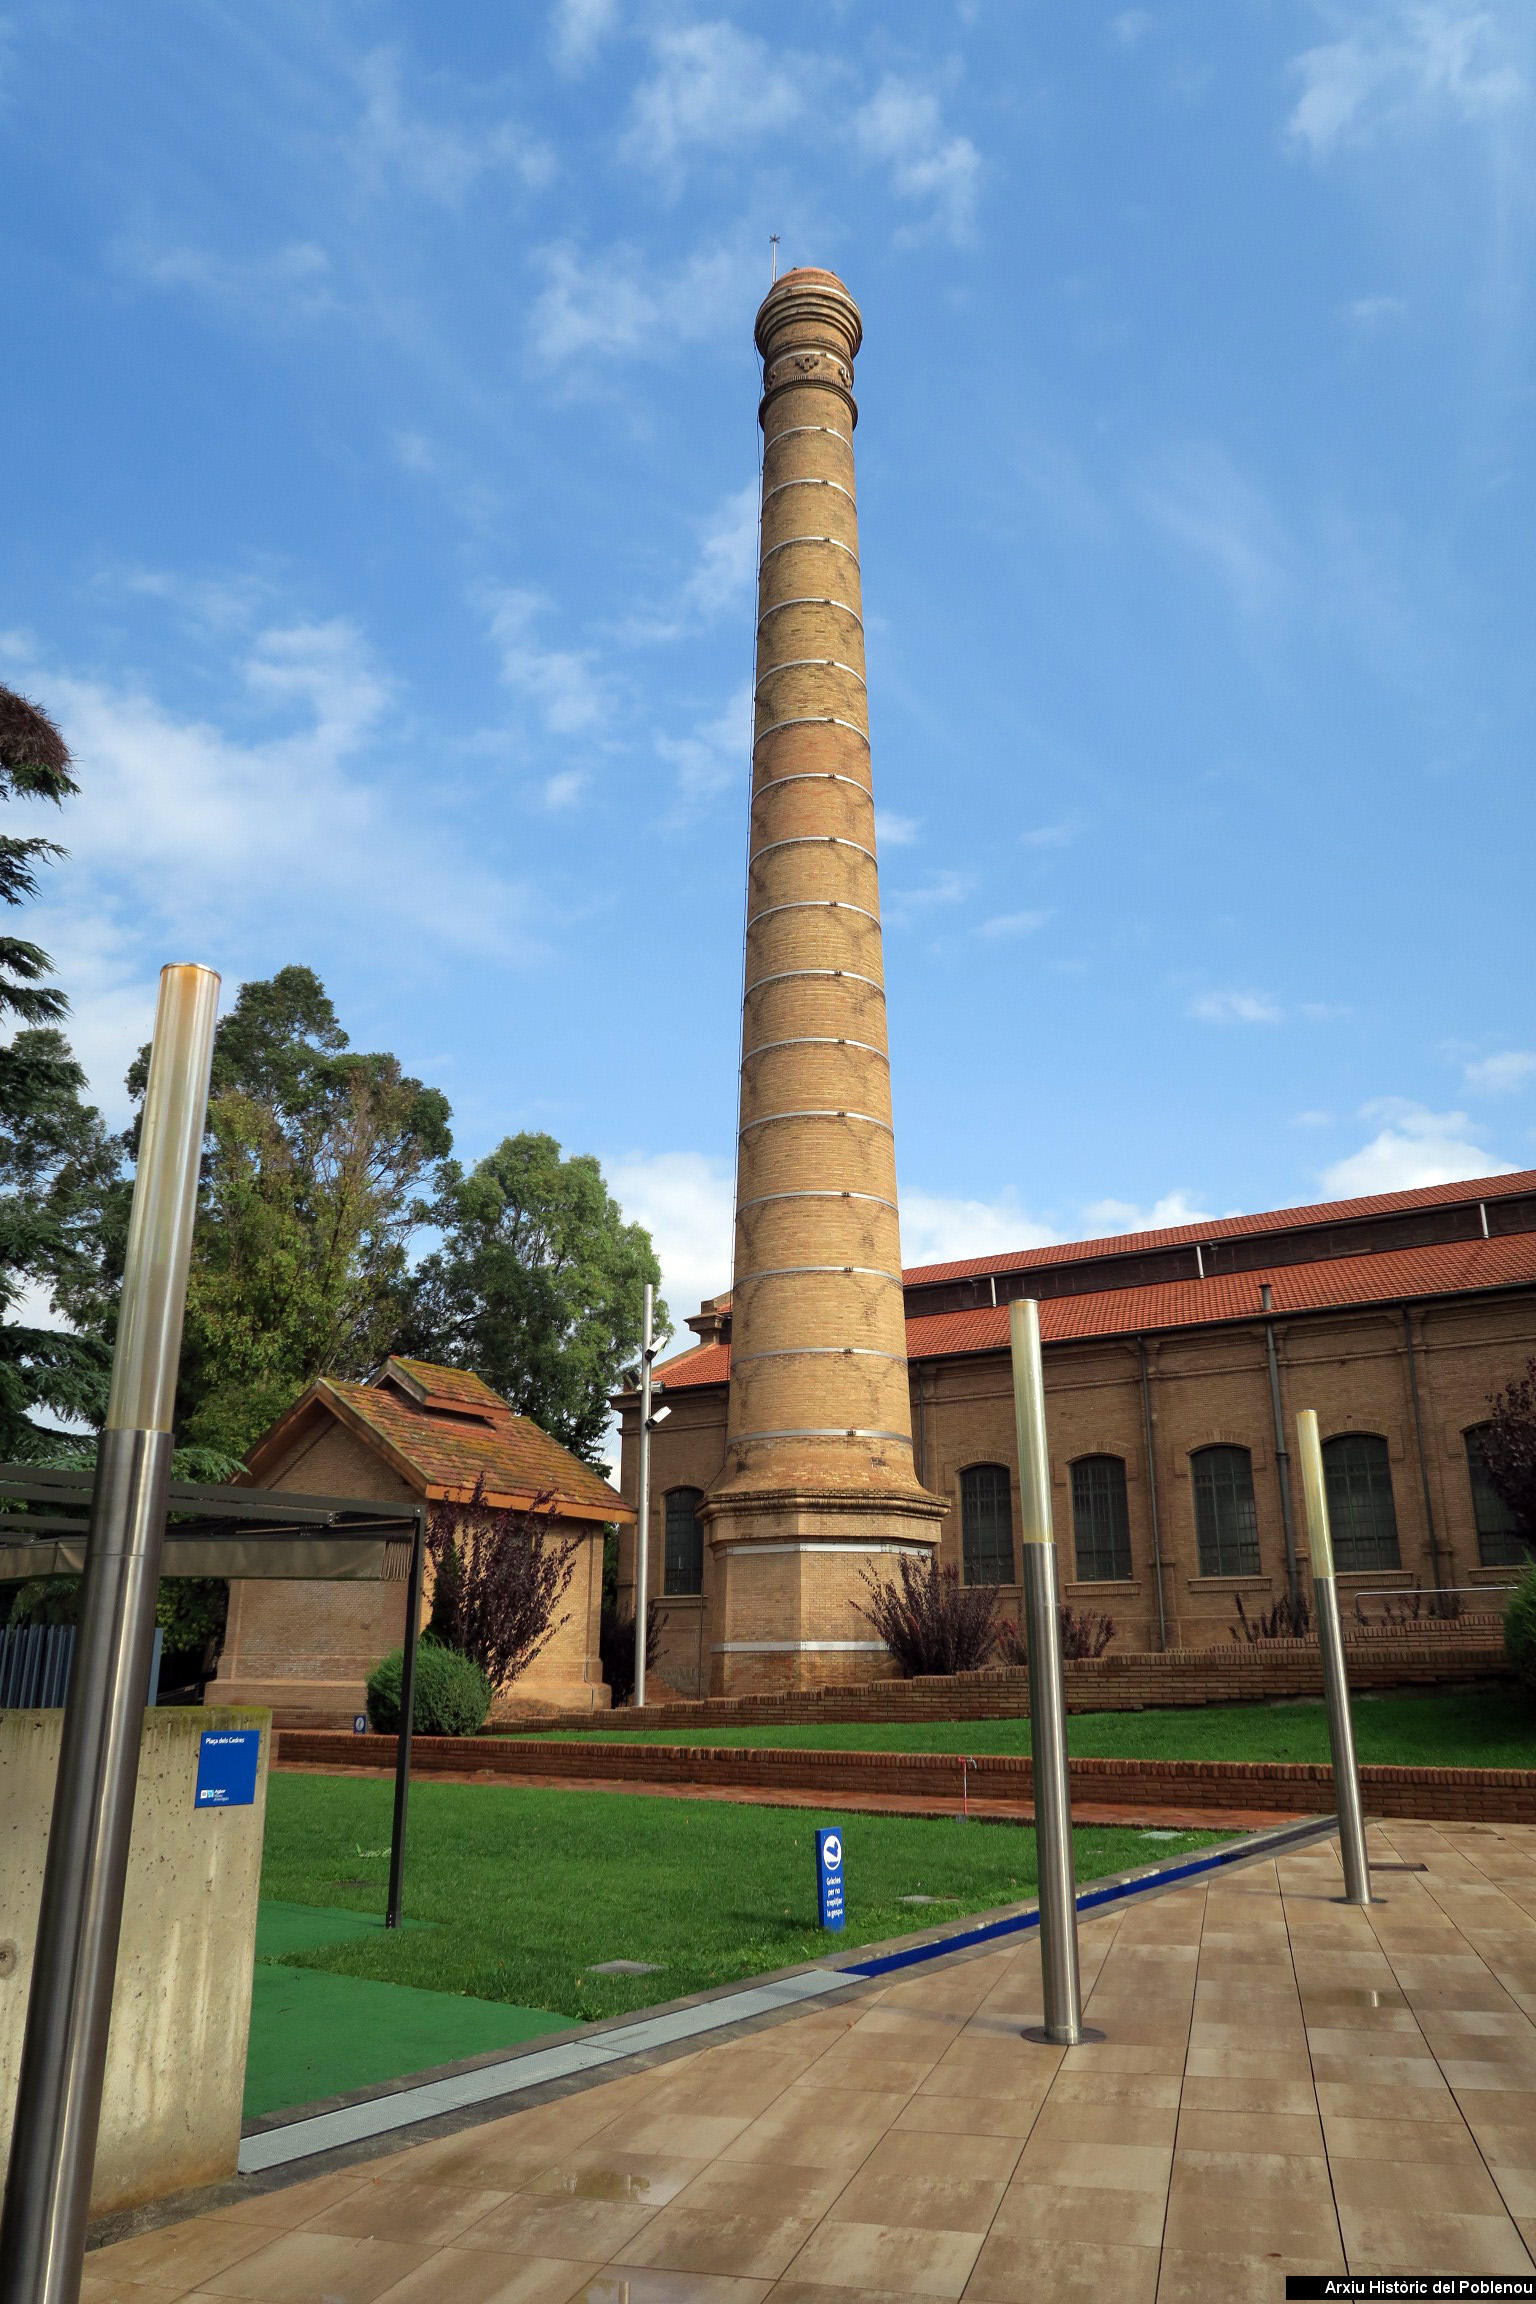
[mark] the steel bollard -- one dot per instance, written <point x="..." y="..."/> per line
<point x="1330" y="1638"/>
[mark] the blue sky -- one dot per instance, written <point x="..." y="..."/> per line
<point x="378" y="420"/>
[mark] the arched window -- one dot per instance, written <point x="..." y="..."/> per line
<point x="1499" y="1542"/>
<point x="1226" y="1521"/>
<point x="1357" y="1473"/>
<point x="684" y="1566"/>
<point x="1101" y="1526"/>
<point x="986" y="1524"/>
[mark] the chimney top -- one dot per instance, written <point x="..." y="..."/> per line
<point x="808" y="308"/>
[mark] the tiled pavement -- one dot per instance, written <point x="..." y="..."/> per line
<point x="1284" y="2083"/>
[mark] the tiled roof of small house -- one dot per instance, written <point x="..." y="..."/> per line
<point x="442" y="1429"/>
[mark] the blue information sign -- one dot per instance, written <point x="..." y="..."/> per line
<point x="359" y="1723"/>
<point x="226" y="1767"/>
<point x="829" y="1878"/>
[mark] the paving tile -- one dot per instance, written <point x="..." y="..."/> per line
<point x="1399" y="2239"/>
<point x="898" y="2257"/>
<point x="1005" y="2116"/>
<point x="1435" y="2143"/>
<point x="588" y="2230"/>
<point x="808" y="2127"/>
<point x="420" y="2212"/>
<point x="957" y="2154"/>
<point x="1096" y="2167"/>
<point x="704" y="2240"/>
<point x="1229" y="2092"/>
<point x="643" y="2284"/>
<point x="1224" y="2279"/>
<point x="1065" y="2120"/>
<point x="640" y="2179"/>
<point x="927" y="2203"/>
<point x="298" y="2267"/>
<point x="1297" y="2135"/>
<point x="1452" y="2188"/>
<point x="764" y="2187"/>
<point x="1066" y="2271"/>
<point x="1040" y="2215"/>
<point x="467" y="2276"/>
<point x="178" y="2256"/>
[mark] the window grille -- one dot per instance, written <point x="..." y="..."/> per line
<point x="1362" y="1519"/>
<point x="1226" y="1520"/>
<point x="986" y="1524"/>
<point x="1101" y="1527"/>
<point x="1499" y="1542"/>
<point x="684" y="1565"/>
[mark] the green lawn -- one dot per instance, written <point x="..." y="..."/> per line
<point x="1484" y="1727"/>
<point x="521" y="1891"/>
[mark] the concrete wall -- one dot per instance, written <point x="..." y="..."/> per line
<point x="182" y="2005"/>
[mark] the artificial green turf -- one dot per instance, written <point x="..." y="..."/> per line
<point x="1491" y="1726"/>
<point x="526" y="1889"/>
<point x="315" y="2035"/>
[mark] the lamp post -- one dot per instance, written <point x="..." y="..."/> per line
<point x="1047" y="1705"/>
<point x="1330" y="1637"/>
<point x="649" y="1347"/>
<point x="63" y="2058"/>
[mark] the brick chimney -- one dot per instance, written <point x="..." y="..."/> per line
<point x="818" y="1481"/>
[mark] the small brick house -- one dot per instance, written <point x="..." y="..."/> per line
<point x="414" y="1433"/>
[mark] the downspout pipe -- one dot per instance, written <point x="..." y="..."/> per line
<point x="1418" y="1434"/>
<point x="1157" y="1548"/>
<point x="1282" y="1453"/>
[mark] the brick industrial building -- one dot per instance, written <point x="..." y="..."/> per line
<point x="1165" y="1356"/>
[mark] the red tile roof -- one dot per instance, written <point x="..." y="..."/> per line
<point x="1236" y="1227"/>
<point x="440" y="1429"/>
<point x="1447" y="1269"/>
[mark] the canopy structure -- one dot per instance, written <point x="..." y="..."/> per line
<point x="246" y="1533"/>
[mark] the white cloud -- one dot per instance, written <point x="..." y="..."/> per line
<point x="1200" y="500"/>
<point x="684" y="1200"/>
<point x="713" y="86"/>
<point x="1376" y="311"/>
<point x="1107" y="1216"/>
<point x="901" y="128"/>
<point x="562" y="684"/>
<point x="1235" y="1008"/>
<point x="1012" y="924"/>
<point x="617" y="304"/>
<point x="578" y="29"/>
<point x="1409" y="65"/>
<point x="1413" y="1147"/>
<point x="289" y="283"/>
<point x="564" y="788"/>
<point x="1496" y="1075"/>
<point x="902" y="906"/>
<point x="938" y="1229"/>
<point x="896" y="831"/>
<point x="727" y="554"/>
<point x="716" y="755"/>
<point x="441" y="159"/>
<point x="196" y="837"/>
<point x="1131" y="26"/>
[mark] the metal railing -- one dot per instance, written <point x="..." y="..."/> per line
<point x="36" y="1661"/>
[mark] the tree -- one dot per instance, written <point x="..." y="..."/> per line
<point x="57" y="1160"/>
<point x="537" y="1285"/>
<point x="313" y="1170"/>
<point x="1509" y="1449"/>
<point x="498" y="1576"/>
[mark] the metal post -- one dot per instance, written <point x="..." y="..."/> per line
<point x="643" y="1522"/>
<point x="1341" y="1735"/>
<point x="1047" y="1706"/>
<point x="63" y="2058"/>
<point x="407" y="1720"/>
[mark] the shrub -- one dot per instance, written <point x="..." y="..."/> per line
<point x="1282" y="1622"/>
<point x="929" y="1620"/>
<point x="497" y="1578"/>
<point x="616" y="1646"/>
<point x="1081" y="1636"/>
<point x="453" y="1695"/>
<point x="1520" y="1631"/>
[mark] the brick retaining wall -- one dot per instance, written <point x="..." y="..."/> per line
<point x="1491" y="1795"/>
<point x="1472" y="1649"/>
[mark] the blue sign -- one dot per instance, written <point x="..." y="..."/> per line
<point x="829" y="1878"/>
<point x="226" y="1767"/>
<point x="359" y="1723"/>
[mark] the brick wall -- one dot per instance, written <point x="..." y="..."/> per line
<point x="1503" y="1795"/>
